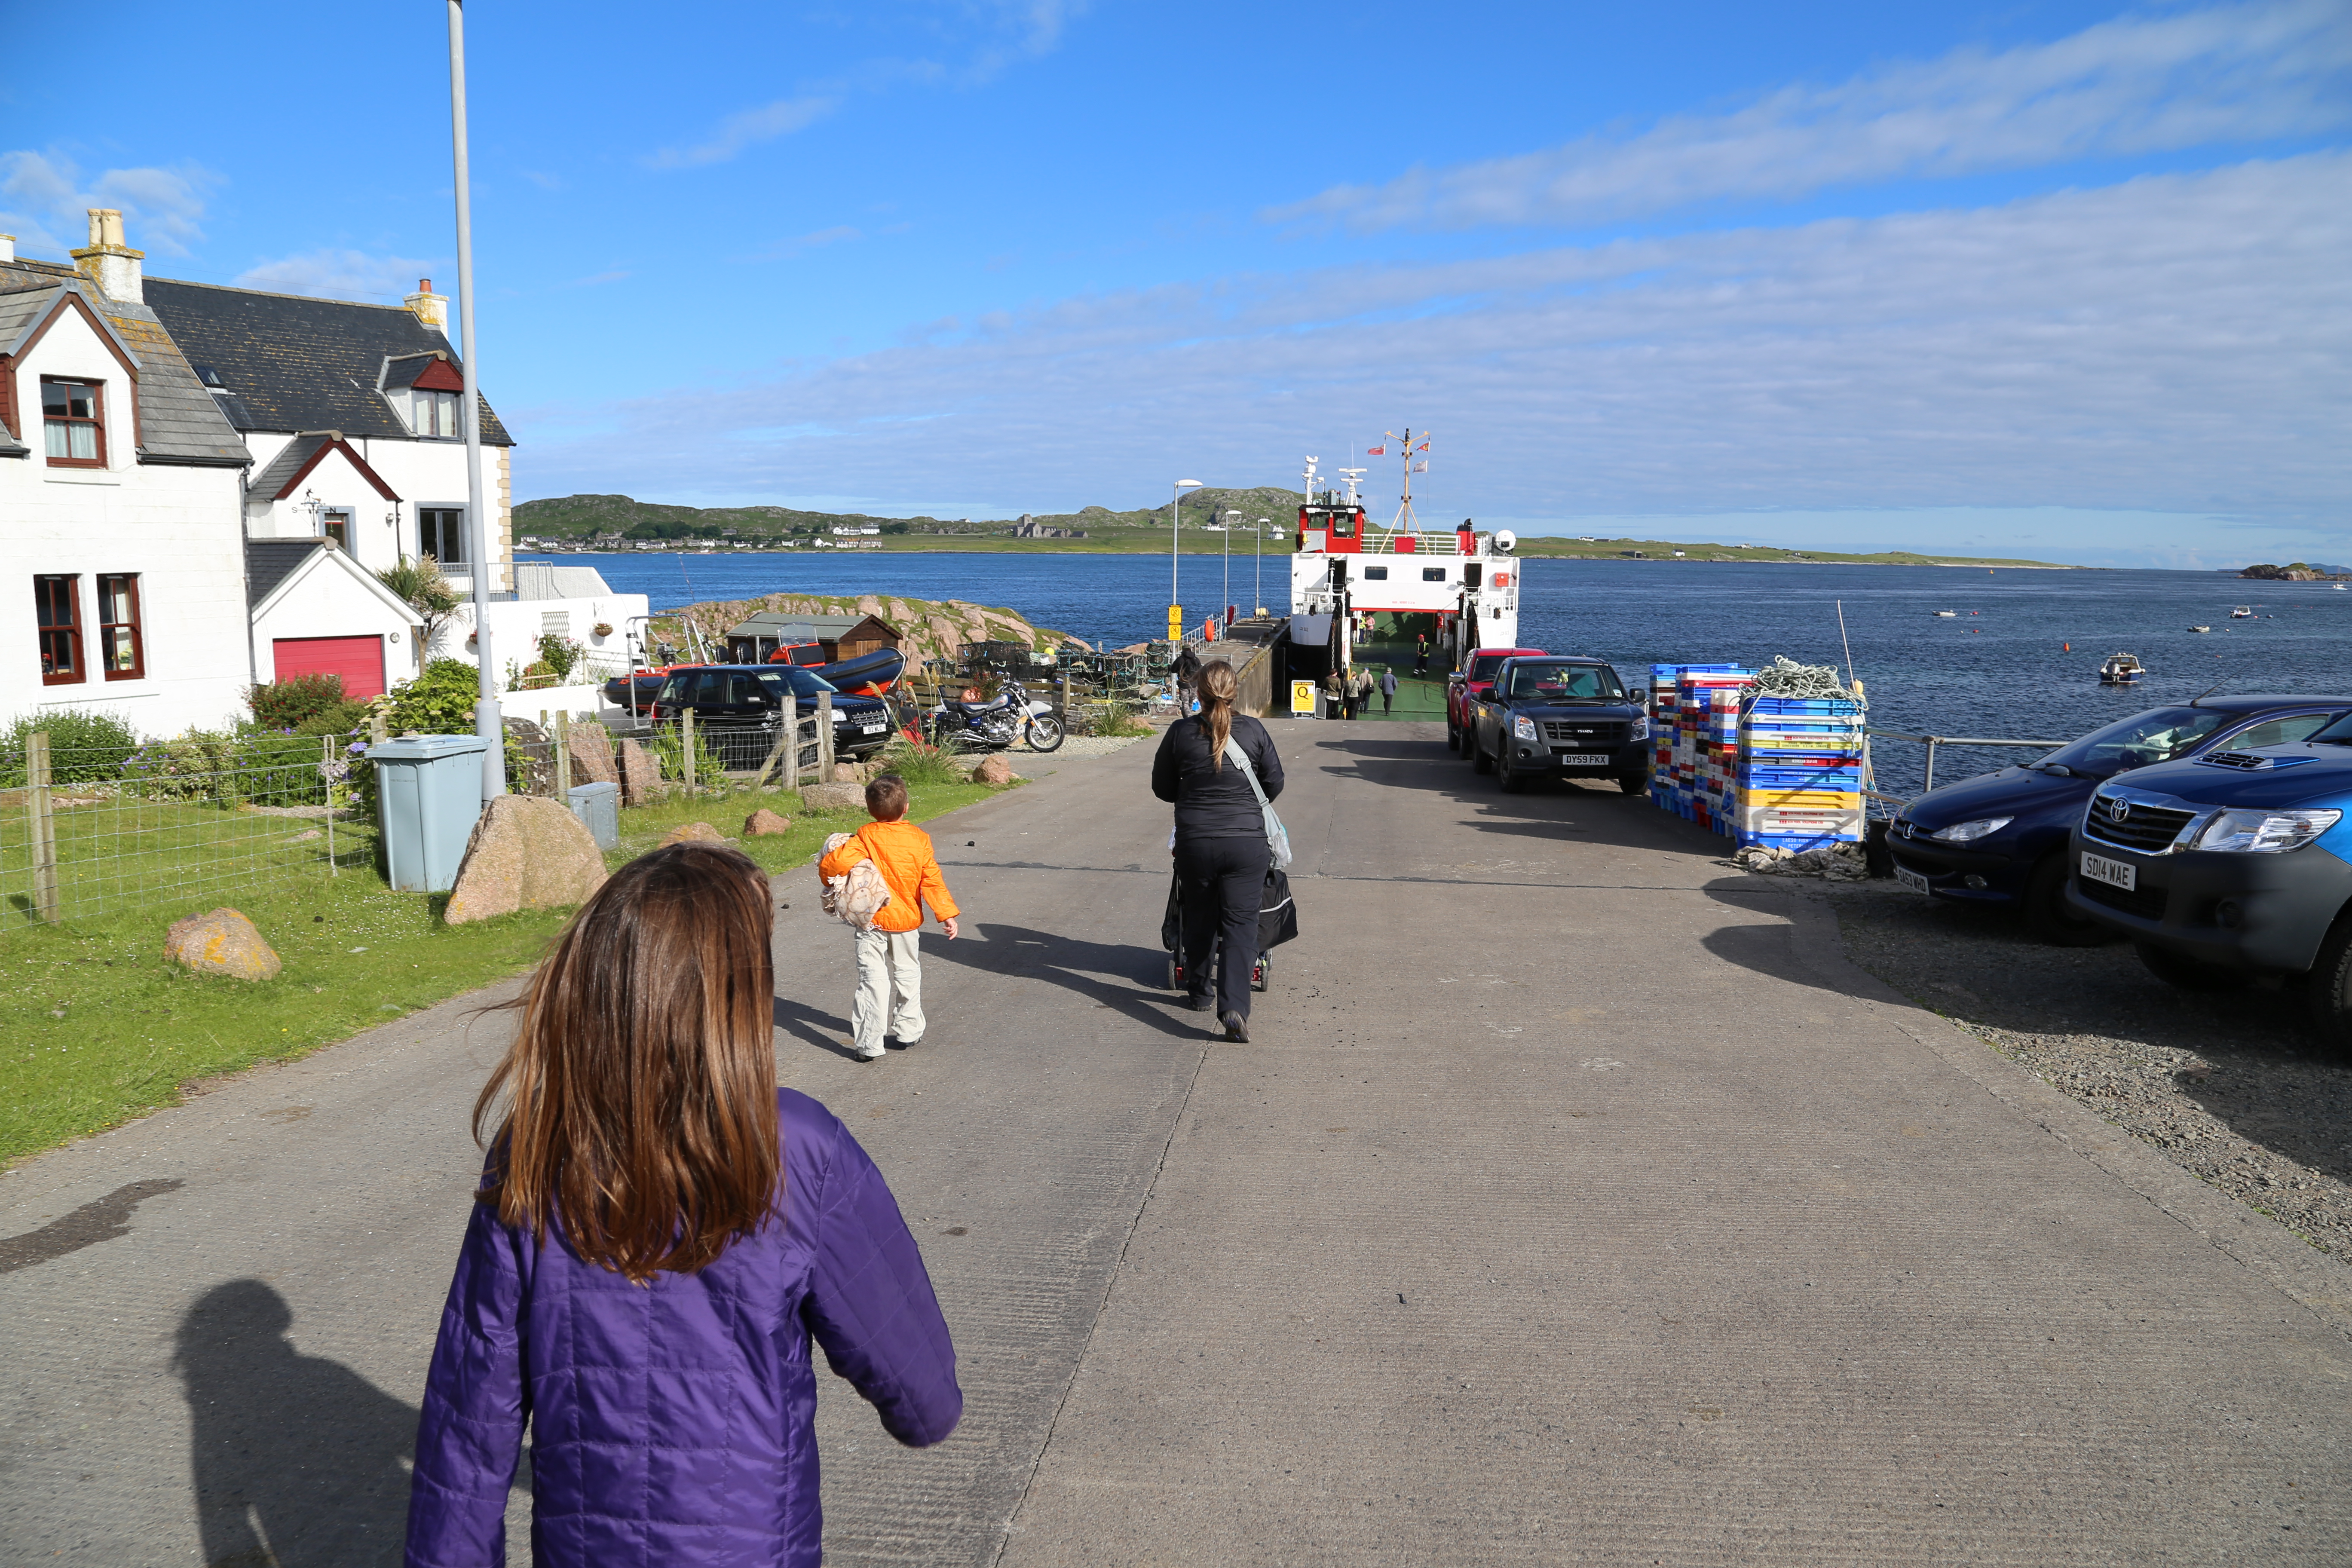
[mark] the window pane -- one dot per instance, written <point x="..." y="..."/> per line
<point x="121" y="648"/>
<point x="85" y="440"/>
<point x="53" y="398"/>
<point x="58" y="438"/>
<point x="109" y="595"/>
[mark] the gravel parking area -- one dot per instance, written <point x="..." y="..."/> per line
<point x="2232" y="1086"/>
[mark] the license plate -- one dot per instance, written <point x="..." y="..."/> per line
<point x="1910" y="878"/>
<point x="1582" y="759"/>
<point x="2114" y="873"/>
<point x="873" y="729"/>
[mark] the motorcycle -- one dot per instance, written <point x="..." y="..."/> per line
<point x="995" y="723"/>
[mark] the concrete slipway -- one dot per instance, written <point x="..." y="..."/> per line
<point x="1578" y="1204"/>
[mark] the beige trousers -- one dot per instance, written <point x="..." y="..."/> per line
<point x="889" y="963"/>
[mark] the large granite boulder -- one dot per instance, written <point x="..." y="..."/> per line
<point x="833" y="797"/>
<point x="691" y="833"/>
<point x="640" y="770"/>
<point x="527" y="852"/>
<point x="766" y="824"/>
<point x="591" y="754"/>
<point x="994" y="772"/>
<point x="221" y="941"/>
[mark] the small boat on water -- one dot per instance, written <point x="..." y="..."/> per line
<point x="1945" y="615"/>
<point x="2243" y="612"/>
<point x="2121" y="669"/>
<point x="2201" y="628"/>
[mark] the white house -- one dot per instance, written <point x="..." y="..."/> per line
<point x="119" y="486"/>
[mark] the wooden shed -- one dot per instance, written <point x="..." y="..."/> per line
<point x="756" y="639"/>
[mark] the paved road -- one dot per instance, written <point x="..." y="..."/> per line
<point x="1579" y="1204"/>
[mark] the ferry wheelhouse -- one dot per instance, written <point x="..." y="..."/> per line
<point x="1371" y="593"/>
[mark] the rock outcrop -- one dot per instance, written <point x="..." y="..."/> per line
<point x="527" y="852"/>
<point x="640" y="774"/>
<point x="222" y="942"/>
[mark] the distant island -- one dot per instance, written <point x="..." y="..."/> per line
<point x="2297" y="572"/>
<point x="1214" y="520"/>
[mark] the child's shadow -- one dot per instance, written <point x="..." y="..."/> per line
<point x="1076" y="965"/>
<point x="805" y="1023"/>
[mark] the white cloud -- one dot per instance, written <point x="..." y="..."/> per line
<point x="801" y="245"/>
<point x="44" y="201"/>
<point x="2134" y="86"/>
<point x="749" y="129"/>
<point x="338" y="274"/>
<point x="2179" y="343"/>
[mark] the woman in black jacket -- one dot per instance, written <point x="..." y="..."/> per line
<point x="1221" y="849"/>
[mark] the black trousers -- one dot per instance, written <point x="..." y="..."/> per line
<point x="1224" y="886"/>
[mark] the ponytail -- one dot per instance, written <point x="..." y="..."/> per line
<point x="1218" y="687"/>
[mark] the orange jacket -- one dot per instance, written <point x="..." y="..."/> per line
<point x="902" y="853"/>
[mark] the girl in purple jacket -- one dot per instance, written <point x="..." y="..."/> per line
<point x="659" y="1234"/>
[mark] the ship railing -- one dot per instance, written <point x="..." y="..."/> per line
<point x="1932" y="741"/>
<point x="1380" y="542"/>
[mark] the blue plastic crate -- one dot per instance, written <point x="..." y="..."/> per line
<point x="1766" y="776"/>
<point x="1798" y="842"/>
<point x="1840" y="707"/>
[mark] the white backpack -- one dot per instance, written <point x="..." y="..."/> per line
<point x="858" y="895"/>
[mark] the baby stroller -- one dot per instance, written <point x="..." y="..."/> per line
<point x="1278" y="923"/>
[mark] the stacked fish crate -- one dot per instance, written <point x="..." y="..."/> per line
<point x="1799" y="773"/>
<point x="1692" y="735"/>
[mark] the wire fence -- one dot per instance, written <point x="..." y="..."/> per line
<point x="102" y="831"/>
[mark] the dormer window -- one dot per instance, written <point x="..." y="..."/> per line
<point x="71" y="417"/>
<point x="428" y="391"/>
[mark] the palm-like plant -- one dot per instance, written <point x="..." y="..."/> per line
<point x="419" y="582"/>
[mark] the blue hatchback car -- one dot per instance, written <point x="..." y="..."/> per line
<point x="2003" y="838"/>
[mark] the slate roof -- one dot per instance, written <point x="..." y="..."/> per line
<point x="299" y="363"/>
<point x="270" y="562"/>
<point x="272" y="482"/>
<point x="178" y="422"/>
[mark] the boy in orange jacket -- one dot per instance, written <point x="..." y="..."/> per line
<point x="888" y="957"/>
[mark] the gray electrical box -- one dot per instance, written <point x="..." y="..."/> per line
<point x="428" y="797"/>
<point x="598" y="806"/>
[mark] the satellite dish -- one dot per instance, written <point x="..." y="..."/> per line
<point x="1505" y="540"/>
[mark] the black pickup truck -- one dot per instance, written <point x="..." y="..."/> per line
<point x="1553" y="717"/>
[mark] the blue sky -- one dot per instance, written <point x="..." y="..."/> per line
<point x="2022" y="278"/>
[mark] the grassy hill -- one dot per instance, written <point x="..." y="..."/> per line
<point x="594" y="521"/>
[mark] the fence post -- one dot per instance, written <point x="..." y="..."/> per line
<point x="824" y="737"/>
<point x="379" y="729"/>
<point x="685" y="744"/>
<point x="564" y="758"/>
<point x="326" y="762"/>
<point x="1931" y="766"/>
<point x="44" y="824"/>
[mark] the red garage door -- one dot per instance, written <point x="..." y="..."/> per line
<point x="359" y="660"/>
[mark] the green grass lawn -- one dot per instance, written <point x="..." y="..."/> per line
<point x="98" y="1028"/>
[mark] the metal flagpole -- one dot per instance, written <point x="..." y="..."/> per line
<point x="487" y="720"/>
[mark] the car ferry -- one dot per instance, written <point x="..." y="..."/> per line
<point x="1356" y="587"/>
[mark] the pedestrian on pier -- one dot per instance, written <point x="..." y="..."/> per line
<point x="1360" y="688"/>
<point x="658" y="1233"/>
<point x="1335" y="701"/>
<point x="1421" y="654"/>
<point x="1387" y="692"/>
<point x="889" y="954"/>
<point x="1204" y="768"/>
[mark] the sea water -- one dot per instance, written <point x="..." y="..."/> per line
<point x="2019" y="661"/>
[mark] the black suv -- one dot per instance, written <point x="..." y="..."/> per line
<point x="2001" y="838"/>
<point x="736" y="708"/>
<point x="1549" y="717"/>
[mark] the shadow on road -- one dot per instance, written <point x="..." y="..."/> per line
<point x="825" y="1031"/>
<point x="1074" y="964"/>
<point x="295" y="1460"/>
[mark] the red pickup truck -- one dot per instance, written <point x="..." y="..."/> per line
<point x="1466" y="685"/>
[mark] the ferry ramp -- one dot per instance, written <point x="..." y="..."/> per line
<point x="1575" y="1203"/>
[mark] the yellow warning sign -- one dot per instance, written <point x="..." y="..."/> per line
<point x="1302" y="697"/>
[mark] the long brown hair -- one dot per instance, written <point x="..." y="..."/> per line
<point x="639" y="1097"/>
<point x="1218" y="687"/>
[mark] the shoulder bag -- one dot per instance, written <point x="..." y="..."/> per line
<point x="1277" y="839"/>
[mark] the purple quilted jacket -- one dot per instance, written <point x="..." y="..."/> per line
<point x="672" y="1424"/>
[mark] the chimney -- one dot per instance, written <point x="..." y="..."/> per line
<point x="7" y="248"/>
<point x="431" y="309"/>
<point x="108" y="262"/>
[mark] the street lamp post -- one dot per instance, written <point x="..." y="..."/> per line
<point x="1257" y="597"/>
<point x="1175" y="528"/>
<point x="487" y="720"/>
<point x="1228" y="519"/>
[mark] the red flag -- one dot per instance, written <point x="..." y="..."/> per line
<point x="1423" y="447"/>
<point x="1376" y="451"/>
